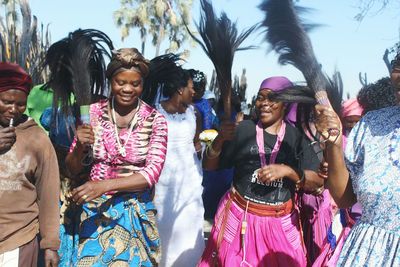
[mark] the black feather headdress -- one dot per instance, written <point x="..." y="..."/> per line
<point x="220" y="41"/>
<point x="288" y="37"/>
<point x="163" y="71"/>
<point x="77" y="68"/>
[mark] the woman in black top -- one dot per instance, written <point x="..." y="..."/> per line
<point x="257" y="223"/>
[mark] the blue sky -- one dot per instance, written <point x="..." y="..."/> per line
<point x="341" y="42"/>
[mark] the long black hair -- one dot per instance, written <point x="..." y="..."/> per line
<point x="166" y="75"/>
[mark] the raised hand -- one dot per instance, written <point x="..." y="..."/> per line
<point x="85" y="134"/>
<point x="7" y="138"/>
<point x="326" y="120"/>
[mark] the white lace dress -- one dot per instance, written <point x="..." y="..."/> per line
<point x="178" y="194"/>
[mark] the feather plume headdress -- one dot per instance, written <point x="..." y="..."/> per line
<point x="288" y="37"/>
<point x="163" y="70"/>
<point x="77" y="68"/>
<point x="220" y="41"/>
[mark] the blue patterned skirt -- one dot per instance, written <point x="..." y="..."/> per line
<point x="118" y="230"/>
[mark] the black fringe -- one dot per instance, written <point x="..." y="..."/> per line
<point x="220" y="41"/>
<point x="162" y="70"/>
<point x="77" y="67"/>
<point x="288" y="37"/>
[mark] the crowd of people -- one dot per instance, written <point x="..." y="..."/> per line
<point x="132" y="185"/>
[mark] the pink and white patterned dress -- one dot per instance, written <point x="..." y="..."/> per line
<point x="145" y="150"/>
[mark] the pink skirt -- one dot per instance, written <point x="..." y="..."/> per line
<point x="317" y="214"/>
<point x="330" y="256"/>
<point x="268" y="241"/>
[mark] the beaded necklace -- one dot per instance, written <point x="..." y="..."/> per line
<point x="121" y="148"/>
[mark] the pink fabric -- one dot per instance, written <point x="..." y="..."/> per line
<point x="351" y="107"/>
<point x="277" y="146"/>
<point x="269" y="241"/>
<point x="277" y="84"/>
<point x="329" y="257"/>
<point x="145" y="150"/>
<point x="317" y="216"/>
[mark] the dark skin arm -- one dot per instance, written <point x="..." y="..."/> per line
<point x="7" y="138"/>
<point x="51" y="258"/>
<point x="273" y="172"/>
<point x="93" y="189"/>
<point x="338" y="181"/>
<point x="199" y="129"/>
<point x="85" y="138"/>
<point x="226" y="132"/>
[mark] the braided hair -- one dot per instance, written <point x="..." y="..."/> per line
<point x="377" y="95"/>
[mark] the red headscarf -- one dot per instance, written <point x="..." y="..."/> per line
<point x="12" y="76"/>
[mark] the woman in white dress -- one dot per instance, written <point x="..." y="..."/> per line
<point x="178" y="192"/>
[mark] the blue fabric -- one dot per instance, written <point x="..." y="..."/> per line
<point x="118" y="231"/>
<point x="62" y="134"/>
<point x="205" y="109"/>
<point x="331" y="238"/>
<point x="69" y="235"/>
<point x="372" y="154"/>
<point x="215" y="185"/>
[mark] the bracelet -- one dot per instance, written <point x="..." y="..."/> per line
<point x="211" y="153"/>
<point x="318" y="191"/>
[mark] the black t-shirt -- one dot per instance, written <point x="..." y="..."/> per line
<point x="242" y="154"/>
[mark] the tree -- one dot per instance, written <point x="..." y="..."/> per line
<point x="156" y="18"/>
<point x="367" y="6"/>
<point x="26" y="46"/>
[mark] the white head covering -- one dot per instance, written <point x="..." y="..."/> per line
<point x="208" y="94"/>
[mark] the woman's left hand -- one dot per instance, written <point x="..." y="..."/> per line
<point x="88" y="191"/>
<point x="272" y="172"/>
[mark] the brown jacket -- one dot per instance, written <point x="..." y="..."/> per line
<point x="29" y="190"/>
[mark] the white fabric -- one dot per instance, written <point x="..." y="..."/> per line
<point x="9" y="258"/>
<point x="178" y="194"/>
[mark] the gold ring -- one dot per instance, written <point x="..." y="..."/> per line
<point x="269" y="175"/>
<point x="84" y="197"/>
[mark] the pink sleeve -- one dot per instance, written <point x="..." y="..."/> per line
<point x="73" y="145"/>
<point x="157" y="151"/>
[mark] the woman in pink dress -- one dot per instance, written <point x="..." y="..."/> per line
<point x="128" y="140"/>
<point x="257" y="223"/>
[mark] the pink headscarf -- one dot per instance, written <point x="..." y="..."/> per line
<point x="351" y="107"/>
<point x="278" y="84"/>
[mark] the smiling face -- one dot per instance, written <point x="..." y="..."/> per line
<point x="268" y="111"/>
<point x="126" y="87"/>
<point x="12" y="106"/>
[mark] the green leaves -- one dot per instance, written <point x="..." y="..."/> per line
<point x="158" y="18"/>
